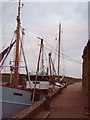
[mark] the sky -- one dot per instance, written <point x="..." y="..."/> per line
<point x="42" y="19"/>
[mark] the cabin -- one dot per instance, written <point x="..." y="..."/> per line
<point x="86" y="69"/>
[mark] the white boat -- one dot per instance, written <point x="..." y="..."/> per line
<point x="15" y="96"/>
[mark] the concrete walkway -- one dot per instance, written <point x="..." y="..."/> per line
<point x="71" y="103"/>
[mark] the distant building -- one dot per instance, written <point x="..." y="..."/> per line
<point x="86" y="69"/>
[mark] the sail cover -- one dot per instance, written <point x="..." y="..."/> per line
<point x="2" y="54"/>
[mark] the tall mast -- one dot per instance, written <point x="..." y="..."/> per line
<point x="37" y="67"/>
<point x="41" y="51"/>
<point x="50" y="63"/>
<point x="59" y="49"/>
<point x="42" y="58"/>
<point x="15" y="79"/>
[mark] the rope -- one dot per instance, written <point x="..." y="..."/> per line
<point x="65" y="56"/>
<point x="63" y="60"/>
<point x="9" y="20"/>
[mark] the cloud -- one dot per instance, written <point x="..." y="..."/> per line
<point x="42" y="19"/>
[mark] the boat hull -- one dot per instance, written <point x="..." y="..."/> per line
<point x="13" y="100"/>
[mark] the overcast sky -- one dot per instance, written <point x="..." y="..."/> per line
<point x="42" y="19"/>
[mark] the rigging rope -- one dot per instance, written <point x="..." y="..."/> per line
<point x="31" y="48"/>
<point x="63" y="55"/>
<point x="63" y="60"/>
<point x="6" y="43"/>
<point x="9" y="20"/>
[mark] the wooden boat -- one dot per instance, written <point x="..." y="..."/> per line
<point x="15" y="94"/>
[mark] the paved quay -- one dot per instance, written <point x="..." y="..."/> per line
<point x="71" y="103"/>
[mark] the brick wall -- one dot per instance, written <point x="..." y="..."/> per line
<point x="86" y="69"/>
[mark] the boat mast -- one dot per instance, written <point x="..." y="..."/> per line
<point x="59" y="50"/>
<point x="41" y="51"/>
<point x="16" y="74"/>
<point x="37" y="68"/>
<point x="50" y="63"/>
<point x="42" y="58"/>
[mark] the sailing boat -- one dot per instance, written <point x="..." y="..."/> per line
<point x="14" y="96"/>
<point x="40" y="81"/>
<point x="59" y="79"/>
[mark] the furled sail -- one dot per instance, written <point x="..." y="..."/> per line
<point x="2" y="54"/>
